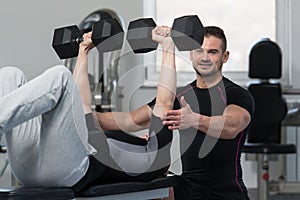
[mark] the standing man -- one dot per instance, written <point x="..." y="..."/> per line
<point x="212" y="115"/>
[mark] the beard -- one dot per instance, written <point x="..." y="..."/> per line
<point x="197" y="72"/>
<point x="211" y="73"/>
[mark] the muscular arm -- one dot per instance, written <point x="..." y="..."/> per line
<point x="226" y="126"/>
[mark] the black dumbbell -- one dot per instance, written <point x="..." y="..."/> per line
<point x="66" y="40"/>
<point x="187" y="33"/>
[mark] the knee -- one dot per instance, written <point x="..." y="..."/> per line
<point x="59" y="74"/>
<point x="61" y="69"/>
<point x="12" y="76"/>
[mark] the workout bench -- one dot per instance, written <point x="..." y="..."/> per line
<point x="155" y="189"/>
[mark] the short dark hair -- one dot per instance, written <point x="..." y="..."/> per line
<point x="218" y="33"/>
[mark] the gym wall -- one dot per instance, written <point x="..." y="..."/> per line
<point x="27" y="28"/>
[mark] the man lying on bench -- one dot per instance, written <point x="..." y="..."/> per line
<point x="46" y="123"/>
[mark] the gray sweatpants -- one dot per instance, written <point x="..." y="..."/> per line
<point x="44" y="127"/>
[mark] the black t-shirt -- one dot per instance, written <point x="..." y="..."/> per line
<point x="209" y="161"/>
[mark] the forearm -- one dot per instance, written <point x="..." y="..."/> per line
<point x="167" y="81"/>
<point x="80" y="76"/>
<point x="80" y="73"/>
<point x="226" y="126"/>
<point x="216" y="126"/>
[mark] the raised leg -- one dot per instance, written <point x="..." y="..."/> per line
<point x="59" y="156"/>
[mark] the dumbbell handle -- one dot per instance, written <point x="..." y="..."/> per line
<point x="79" y="40"/>
<point x="187" y="33"/>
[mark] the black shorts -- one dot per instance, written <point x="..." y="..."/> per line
<point x="109" y="172"/>
<point x="95" y="172"/>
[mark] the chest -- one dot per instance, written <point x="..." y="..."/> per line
<point x="207" y="102"/>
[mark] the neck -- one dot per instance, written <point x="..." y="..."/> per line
<point x="209" y="81"/>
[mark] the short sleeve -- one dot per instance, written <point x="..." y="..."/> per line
<point x="241" y="97"/>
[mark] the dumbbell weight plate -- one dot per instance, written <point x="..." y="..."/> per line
<point x="139" y="35"/>
<point x="108" y="35"/>
<point x="64" y="41"/>
<point x="187" y="33"/>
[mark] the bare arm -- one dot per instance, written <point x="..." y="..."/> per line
<point x="80" y="73"/>
<point x="167" y="79"/>
<point x="226" y="126"/>
<point x="136" y="120"/>
<point x="139" y="119"/>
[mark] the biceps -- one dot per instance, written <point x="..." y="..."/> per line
<point x="239" y="116"/>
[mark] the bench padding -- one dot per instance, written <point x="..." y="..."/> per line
<point x="113" y="189"/>
<point x="22" y="193"/>
<point x="127" y="187"/>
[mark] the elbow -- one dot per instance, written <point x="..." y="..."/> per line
<point x="159" y="110"/>
<point x="163" y="105"/>
<point x="231" y="133"/>
<point x="167" y="105"/>
<point x="233" y="127"/>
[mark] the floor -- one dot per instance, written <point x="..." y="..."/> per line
<point x="253" y="193"/>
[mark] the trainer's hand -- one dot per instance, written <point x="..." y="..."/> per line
<point x="181" y="119"/>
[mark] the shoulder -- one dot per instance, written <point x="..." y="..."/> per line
<point x="232" y="87"/>
<point x="238" y="95"/>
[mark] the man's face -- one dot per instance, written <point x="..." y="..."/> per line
<point x="209" y="59"/>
